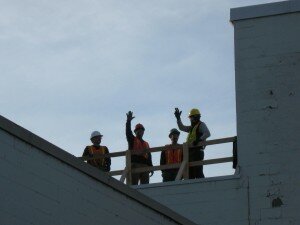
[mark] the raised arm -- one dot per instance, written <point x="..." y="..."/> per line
<point x="129" y="134"/>
<point x="181" y="127"/>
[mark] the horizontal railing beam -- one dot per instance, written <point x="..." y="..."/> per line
<point x="159" y="149"/>
<point x="100" y="156"/>
<point x="173" y="166"/>
<point x="146" y="169"/>
<point x="155" y="168"/>
<point x="115" y="173"/>
<point x="211" y="161"/>
<point x="214" y="142"/>
<point x="163" y="148"/>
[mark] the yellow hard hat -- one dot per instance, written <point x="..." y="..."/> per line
<point x="194" y="112"/>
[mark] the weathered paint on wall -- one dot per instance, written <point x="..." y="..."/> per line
<point x="36" y="188"/>
<point x="267" y="64"/>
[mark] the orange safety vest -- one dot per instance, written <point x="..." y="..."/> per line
<point x="93" y="150"/>
<point x="139" y="146"/>
<point x="173" y="155"/>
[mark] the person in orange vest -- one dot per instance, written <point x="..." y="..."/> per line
<point x="172" y="155"/>
<point x="103" y="163"/>
<point x="137" y="144"/>
<point x="197" y="132"/>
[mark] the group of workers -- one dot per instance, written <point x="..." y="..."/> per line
<point x="197" y="132"/>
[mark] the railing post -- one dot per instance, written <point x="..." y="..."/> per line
<point x="123" y="175"/>
<point x="180" y="171"/>
<point x="185" y="150"/>
<point x="234" y="153"/>
<point x="128" y="167"/>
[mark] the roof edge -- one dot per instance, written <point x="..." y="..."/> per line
<point x="189" y="182"/>
<point x="269" y="9"/>
<point x="58" y="153"/>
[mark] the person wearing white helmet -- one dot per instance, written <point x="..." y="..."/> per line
<point x="96" y="149"/>
<point x="197" y="132"/>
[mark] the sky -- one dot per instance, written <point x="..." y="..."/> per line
<point x="69" y="67"/>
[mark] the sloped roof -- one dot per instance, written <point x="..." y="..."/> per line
<point x="72" y="161"/>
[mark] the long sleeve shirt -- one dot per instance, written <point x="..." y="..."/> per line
<point x="203" y="130"/>
<point x="130" y="139"/>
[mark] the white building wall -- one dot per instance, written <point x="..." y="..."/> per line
<point x="38" y="189"/>
<point x="211" y="201"/>
<point x="267" y="57"/>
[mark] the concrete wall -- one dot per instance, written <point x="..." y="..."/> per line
<point x="267" y="63"/>
<point x="267" y="57"/>
<point x="36" y="188"/>
<point x="211" y="201"/>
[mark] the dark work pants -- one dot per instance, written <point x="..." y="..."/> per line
<point x="169" y="175"/>
<point x="142" y="177"/>
<point x="196" y="171"/>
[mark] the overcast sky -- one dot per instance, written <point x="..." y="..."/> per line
<point x="69" y="67"/>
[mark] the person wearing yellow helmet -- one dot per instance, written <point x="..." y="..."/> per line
<point x="197" y="132"/>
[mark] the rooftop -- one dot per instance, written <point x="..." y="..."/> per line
<point x="263" y="10"/>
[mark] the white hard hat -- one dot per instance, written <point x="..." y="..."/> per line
<point x="95" y="134"/>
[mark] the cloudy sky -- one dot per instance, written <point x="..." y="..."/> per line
<point x="69" y="67"/>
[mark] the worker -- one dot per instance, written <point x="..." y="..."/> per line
<point x="96" y="149"/>
<point x="136" y="144"/>
<point x="197" y="132"/>
<point x="172" y="155"/>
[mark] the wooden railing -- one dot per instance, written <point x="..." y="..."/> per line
<point x="183" y="172"/>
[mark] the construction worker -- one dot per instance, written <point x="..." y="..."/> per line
<point x="198" y="131"/>
<point x="96" y="149"/>
<point x="137" y="145"/>
<point x="172" y="155"/>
